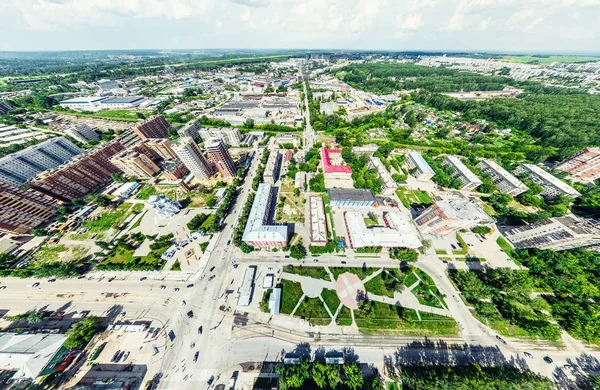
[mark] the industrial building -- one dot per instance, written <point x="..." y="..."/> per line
<point x="389" y="186"/>
<point x="192" y="130"/>
<point x="506" y="182"/>
<point x="258" y="232"/>
<point x="190" y="154"/>
<point x="23" y="210"/>
<point x="229" y="136"/>
<point x="398" y="232"/>
<point x="414" y="160"/>
<point x="560" y="233"/>
<point x="10" y="135"/>
<point x="82" y="133"/>
<point x="583" y="166"/>
<point x="120" y="103"/>
<point x="469" y="180"/>
<point x="451" y="215"/>
<point x="318" y="222"/>
<point x="271" y="173"/>
<point x="135" y="164"/>
<point x="217" y="153"/>
<point x="81" y="176"/>
<point x="154" y="127"/>
<point x="28" y="355"/>
<point x="551" y="185"/>
<point x="17" y="168"/>
<point x="351" y="198"/>
<point x="84" y="103"/>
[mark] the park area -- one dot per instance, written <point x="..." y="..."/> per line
<point x="373" y="300"/>
<point x="290" y="207"/>
<point x="199" y="197"/>
<point x="417" y="198"/>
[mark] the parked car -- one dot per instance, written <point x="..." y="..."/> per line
<point x="2" y="287"/>
<point x="190" y="314"/>
<point x="500" y="339"/>
<point x="190" y="285"/>
<point x="115" y="356"/>
<point x="199" y="330"/>
<point x="162" y="287"/>
<point x="51" y="280"/>
<point x="548" y="359"/>
<point x="196" y="356"/>
<point x="212" y="268"/>
<point x="143" y="278"/>
<point x="211" y="278"/>
<point x="528" y="355"/>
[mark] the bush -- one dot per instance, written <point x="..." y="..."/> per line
<point x="83" y="331"/>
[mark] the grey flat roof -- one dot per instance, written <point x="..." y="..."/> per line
<point x="351" y="194"/>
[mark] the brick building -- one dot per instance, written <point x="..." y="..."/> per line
<point x="24" y="210"/>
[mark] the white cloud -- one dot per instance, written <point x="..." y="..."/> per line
<point x="484" y="24"/>
<point x="457" y="20"/>
<point x="409" y="22"/>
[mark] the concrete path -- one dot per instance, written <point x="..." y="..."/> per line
<point x="310" y="286"/>
<point x="409" y="300"/>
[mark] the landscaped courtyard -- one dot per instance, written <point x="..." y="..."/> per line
<point x="290" y="207"/>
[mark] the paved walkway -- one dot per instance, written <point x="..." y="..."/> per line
<point x="311" y="287"/>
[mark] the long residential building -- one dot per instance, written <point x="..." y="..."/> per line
<point x="135" y="164"/>
<point x="271" y="173"/>
<point x="81" y="176"/>
<point x="333" y="165"/>
<point x="4" y="107"/>
<point x="506" y="182"/>
<point x="20" y="167"/>
<point x="551" y="186"/>
<point x="583" y="166"/>
<point x="339" y="197"/>
<point x="190" y="154"/>
<point x="389" y="184"/>
<point x="192" y="130"/>
<point x="414" y="160"/>
<point x="162" y="147"/>
<point x="229" y="135"/>
<point x="451" y="215"/>
<point x="469" y="179"/>
<point x="560" y="233"/>
<point x="398" y="231"/>
<point x="82" y="133"/>
<point x="217" y="153"/>
<point x="154" y="127"/>
<point x="24" y="210"/>
<point x="318" y="222"/>
<point x="258" y="232"/>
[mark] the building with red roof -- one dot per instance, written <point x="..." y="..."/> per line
<point x="333" y="164"/>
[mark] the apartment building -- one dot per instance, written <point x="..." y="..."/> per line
<point x="259" y="232"/>
<point x="190" y="154"/>
<point x="285" y="138"/>
<point x="451" y="215"/>
<point x="154" y="127"/>
<point x="414" y="160"/>
<point x="366" y="150"/>
<point x="23" y="210"/>
<point x="217" y="153"/>
<point x="339" y="197"/>
<point x="162" y="147"/>
<point x="174" y="169"/>
<point x="135" y="164"/>
<point x="192" y="130"/>
<point x="551" y="185"/>
<point x="583" y="166"/>
<point x="271" y="173"/>
<point x="229" y="136"/>
<point x="398" y="232"/>
<point x="20" y="167"/>
<point x="82" y="133"/>
<point x="506" y="182"/>
<point x="560" y="233"/>
<point x="469" y="179"/>
<point x="81" y="176"/>
<point x="318" y="222"/>
<point x="389" y="186"/>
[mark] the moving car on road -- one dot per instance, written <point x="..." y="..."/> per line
<point x="200" y="330"/>
<point x="528" y="355"/>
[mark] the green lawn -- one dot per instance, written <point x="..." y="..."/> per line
<point x="371" y="222"/>
<point x="313" y="272"/>
<point x="109" y="219"/>
<point x="344" y="317"/>
<point x="383" y="285"/>
<point x="146" y="192"/>
<point x="208" y="222"/>
<point x="291" y="292"/>
<point x="313" y="311"/>
<point x="410" y="279"/>
<point x="416" y="197"/>
<point x="464" y="247"/>
<point x="139" y="221"/>
<point x="360" y="272"/>
<point x="441" y="252"/>
<point x="505" y="246"/>
<point x="331" y="300"/>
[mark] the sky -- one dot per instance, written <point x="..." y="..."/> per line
<point x="530" y="26"/>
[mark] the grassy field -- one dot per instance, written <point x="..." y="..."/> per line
<point x="59" y="253"/>
<point x="331" y="299"/>
<point x="113" y="115"/>
<point x="505" y="246"/>
<point x="146" y="192"/>
<point x="312" y="272"/>
<point x="291" y="292"/>
<point x="549" y="59"/>
<point x="110" y="219"/>
<point x="313" y="311"/>
<point x="344" y="317"/>
<point x="410" y="197"/>
<point x="441" y="252"/>
<point x="371" y="222"/>
<point x="360" y="272"/>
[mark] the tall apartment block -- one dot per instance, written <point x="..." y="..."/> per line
<point x="414" y="160"/>
<point x="135" y="164"/>
<point x="469" y="179"/>
<point x="389" y="186"/>
<point x="451" y="215"/>
<point x="258" y="231"/>
<point x="506" y="182"/>
<point x="162" y="147"/>
<point x="557" y="234"/>
<point x="229" y="136"/>
<point x="191" y="129"/>
<point x="23" y="210"/>
<point x="551" y="186"/>
<point x="154" y="127"/>
<point x="20" y="167"/>
<point x="81" y="176"/>
<point x="82" y="133"/>
<point x="217" y="153"/>
<point x="190" y="154"/>
<point x="583" y="166"/>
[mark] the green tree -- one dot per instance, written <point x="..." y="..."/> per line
<point x="82" y="332"/>
<point x="354" y="379"/>
<point x="249" y="124"/>
<point x="298" y="251"/>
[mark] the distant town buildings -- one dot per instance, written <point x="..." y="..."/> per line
<point x="414" y="160"/>
<point x="154" y="127"/>
<point x="398" y="231"/>
<point x="4" y="107"/>
<point x="135" y="165"/>
<point x="17" y="168"/>
<point x="339" y="197"/>
<point x="551" y="185"/>
<point x="190" y="154"/>
<point x="286" y="138"/>
<point x="560" y="233"/>
<point x="229" y="135"/>
<point x="82" y="133"/>
<point x="24" y="210"/>
<point x="469" y="179"/>
<point x="318" y="222"/>
<point x="192" y="130"/>
<point x="258" y="232"/>
<point x="583" y="166"/>
<point x="217" y="153"/>
<point x="506" y="182"/>
<point x="451" y="215"/>
<point x="389" y="186"/>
